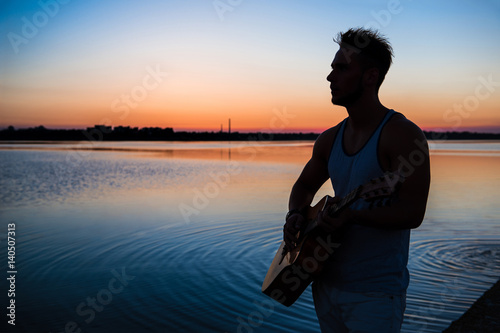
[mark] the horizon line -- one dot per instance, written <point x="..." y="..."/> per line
<point x="471" y="129"/>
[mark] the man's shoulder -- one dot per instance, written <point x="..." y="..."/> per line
<point x="401" y="127"/>
<point x="330" y="133"/>
<point x="324" y="142"/>
<point x="400" y="131"/>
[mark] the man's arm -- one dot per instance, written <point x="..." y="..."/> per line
<point x="312" y="177"/>
<point x="404" y="149"/>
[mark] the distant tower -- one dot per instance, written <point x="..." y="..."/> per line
<point x="229" y="130"/>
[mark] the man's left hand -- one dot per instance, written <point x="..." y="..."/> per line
<point x="331" y="224"/>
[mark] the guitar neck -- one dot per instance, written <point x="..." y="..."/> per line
<point x="335" y="208"/>
<point x="352" y="196"/>
<point x="376" y="188"/>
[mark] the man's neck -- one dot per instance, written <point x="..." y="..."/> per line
<point x="365" y="113"/>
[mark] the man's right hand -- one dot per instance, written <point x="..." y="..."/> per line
<point x="293" y="225"/>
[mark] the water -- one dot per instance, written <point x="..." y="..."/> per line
<point x="177" y="237"/>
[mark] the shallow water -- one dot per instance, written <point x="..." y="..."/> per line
<point x="177" y="237"/>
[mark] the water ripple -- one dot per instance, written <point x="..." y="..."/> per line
<point x="447" y="276"/>
<point x="81" y="224"/>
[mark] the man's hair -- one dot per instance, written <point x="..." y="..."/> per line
<point x="373" y="48"/>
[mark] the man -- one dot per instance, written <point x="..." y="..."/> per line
<point x="363" y="287"/>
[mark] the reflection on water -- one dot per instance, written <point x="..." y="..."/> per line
<point x="270" y="151"/>
<point x="166" y="238"/>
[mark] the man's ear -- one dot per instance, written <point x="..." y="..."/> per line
<point x="371" y="76"/>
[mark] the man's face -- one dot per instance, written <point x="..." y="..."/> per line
<point x="346" y="78"/>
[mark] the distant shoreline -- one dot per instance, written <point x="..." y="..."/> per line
<point x="106" y="133"/>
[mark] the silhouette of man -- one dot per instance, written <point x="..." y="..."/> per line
<point x="363" y="287"/>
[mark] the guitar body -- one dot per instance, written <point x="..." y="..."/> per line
<point x="292" y="271"/>
<point x="289" y="275"/>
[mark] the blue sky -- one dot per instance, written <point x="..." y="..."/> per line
<point x="238" y="59"/>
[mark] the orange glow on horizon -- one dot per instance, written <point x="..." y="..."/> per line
<point x="275" y="111"/>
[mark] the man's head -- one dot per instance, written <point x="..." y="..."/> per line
<point x="362" y="61"/>
<point x="373" y="49"/>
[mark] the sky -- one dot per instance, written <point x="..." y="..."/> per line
<point x="194" y="64"/>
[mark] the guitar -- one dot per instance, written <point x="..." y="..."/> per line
<point x="292" y="271"/>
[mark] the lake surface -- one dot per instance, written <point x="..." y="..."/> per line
<point x="177" y="237"/>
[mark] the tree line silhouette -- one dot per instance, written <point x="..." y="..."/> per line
<point x="121" y="133"/>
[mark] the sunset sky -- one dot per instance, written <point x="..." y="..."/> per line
<point x="193" y="64"/>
